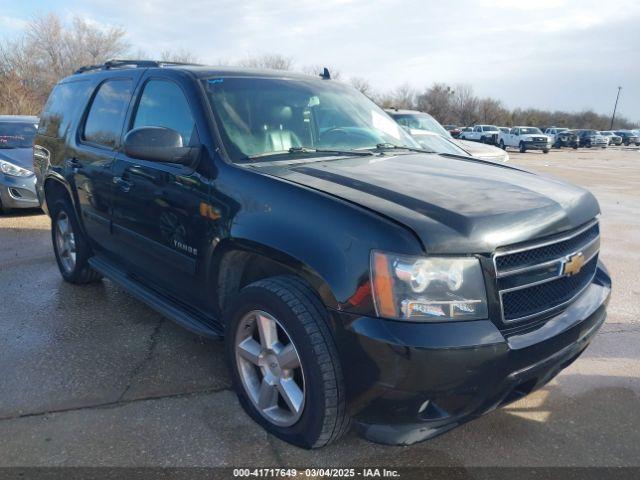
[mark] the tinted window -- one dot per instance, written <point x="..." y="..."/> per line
<point x="104" y="122"/>
<point x="62" y="107"/>
<point x="164" y="105"/>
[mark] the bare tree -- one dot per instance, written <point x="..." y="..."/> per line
<point x="180" y="56"/>
<point x="49" y="50"/>
<point x="269" y="61"/>
<point x="491" y="111"/>
<point x="437" y="100"/>
<point x="403" y="96"/>
<point x="362" y="85"/>
<point x="465" y="104"/>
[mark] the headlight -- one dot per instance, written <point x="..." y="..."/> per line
<point x="427" y="288"/>
<point x="13" y="170"/>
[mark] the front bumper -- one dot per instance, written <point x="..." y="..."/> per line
<point x="409" y="382"/>
<point x="532" y="145"/>
<point x="18" y="192"/>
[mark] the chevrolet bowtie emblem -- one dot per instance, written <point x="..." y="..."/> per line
<point x="573" y="264"/>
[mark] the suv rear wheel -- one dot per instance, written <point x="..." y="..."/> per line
<point x="284" y="364"/>
<point x="523" y="149"/>
<point x="71" y="249"/>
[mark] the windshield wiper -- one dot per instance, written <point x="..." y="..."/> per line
<point x="294" y="150"/>
<point x="391" y="146"/>
<point x="357" y="153"/>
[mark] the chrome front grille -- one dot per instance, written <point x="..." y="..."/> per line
<point x="540" y="279"/>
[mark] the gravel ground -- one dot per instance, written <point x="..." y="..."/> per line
<point x="90" y="376"/>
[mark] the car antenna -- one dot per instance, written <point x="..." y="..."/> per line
<point x="325" y="75"/>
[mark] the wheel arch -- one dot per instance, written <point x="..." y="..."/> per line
<point x="237" y="263"/>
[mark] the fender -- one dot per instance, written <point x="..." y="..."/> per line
<point x="323" y="238"/>
<point x="53" y="176"/>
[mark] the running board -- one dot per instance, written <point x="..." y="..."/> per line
<point x="162" y="305"/>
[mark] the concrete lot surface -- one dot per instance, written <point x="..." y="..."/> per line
<point x="90" y="376"/>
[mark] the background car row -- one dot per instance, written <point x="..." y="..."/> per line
<point x="559" y="137"/>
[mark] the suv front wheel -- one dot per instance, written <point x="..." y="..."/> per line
<point x="284" y="364"/>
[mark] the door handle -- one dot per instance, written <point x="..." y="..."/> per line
<point x="122" y="184"/>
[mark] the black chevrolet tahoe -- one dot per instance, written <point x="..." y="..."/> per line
<point x="356" y="279"/>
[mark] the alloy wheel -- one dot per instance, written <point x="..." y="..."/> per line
<point x="65" y="242"/>
<point x="270" y="369"/>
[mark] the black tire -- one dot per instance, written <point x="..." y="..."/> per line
<point x="502" y="145"/>
<point x="483" y="139"/>
<point x="523" y="149"/>
<point x="575" y="147"/>
<point x="626" y="143"/>
<point x="81" y="273"/>
<point x="4" y="210"/>
<point x="298" y="309"/>
<point x="546" y="150"/>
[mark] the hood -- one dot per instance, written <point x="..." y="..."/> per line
<point x="482" y="150"/>
<point x="454" y="205"/>
<point x="22" y="157"/>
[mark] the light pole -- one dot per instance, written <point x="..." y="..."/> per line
<point x="614" y="108"/>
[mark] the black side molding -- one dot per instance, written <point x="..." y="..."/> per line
<point x="162" y="305"/>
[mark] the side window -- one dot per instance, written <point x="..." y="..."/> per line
<point x="163" y="104"/>
<point x="106" y="116"/>
<point x="62" y="108"/>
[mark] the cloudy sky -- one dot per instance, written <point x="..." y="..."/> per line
<point x="566" y="55"/>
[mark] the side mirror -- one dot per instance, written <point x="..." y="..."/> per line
<point x="158" y="144"/>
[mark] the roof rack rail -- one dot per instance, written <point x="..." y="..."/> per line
<point x="109" y="64"/>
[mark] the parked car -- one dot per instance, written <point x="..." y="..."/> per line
<point x="525" y="138"/>
<point x="562" y="137"/>
<point x="17" y="180"/>
<point x="592" y="138"/>
<point x="482" y="133"/>
<point x="415" y="120"/>
<point x="567" y="138"/>
<point x="629" y="137"/>
<point x="613" y="138"/>
<point x="438" y="144"/>
<point x="353" y="277"/>
<point x="551" y="132"/>
<point x="465" y="129"/>
<point x="453" y="130"/>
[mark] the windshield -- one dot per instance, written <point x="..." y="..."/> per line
<point x="560" y="130"/>
<point x="267" y="116"/>
<point x="529" y="130"/>
<point x="421" y="121"/>
<point x="17" y="135"/>
<point x="436" y="143"/>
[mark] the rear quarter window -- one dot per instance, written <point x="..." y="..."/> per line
<point x="65" y="103"/>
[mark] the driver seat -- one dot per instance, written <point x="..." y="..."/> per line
<point x="277" y="137"/>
